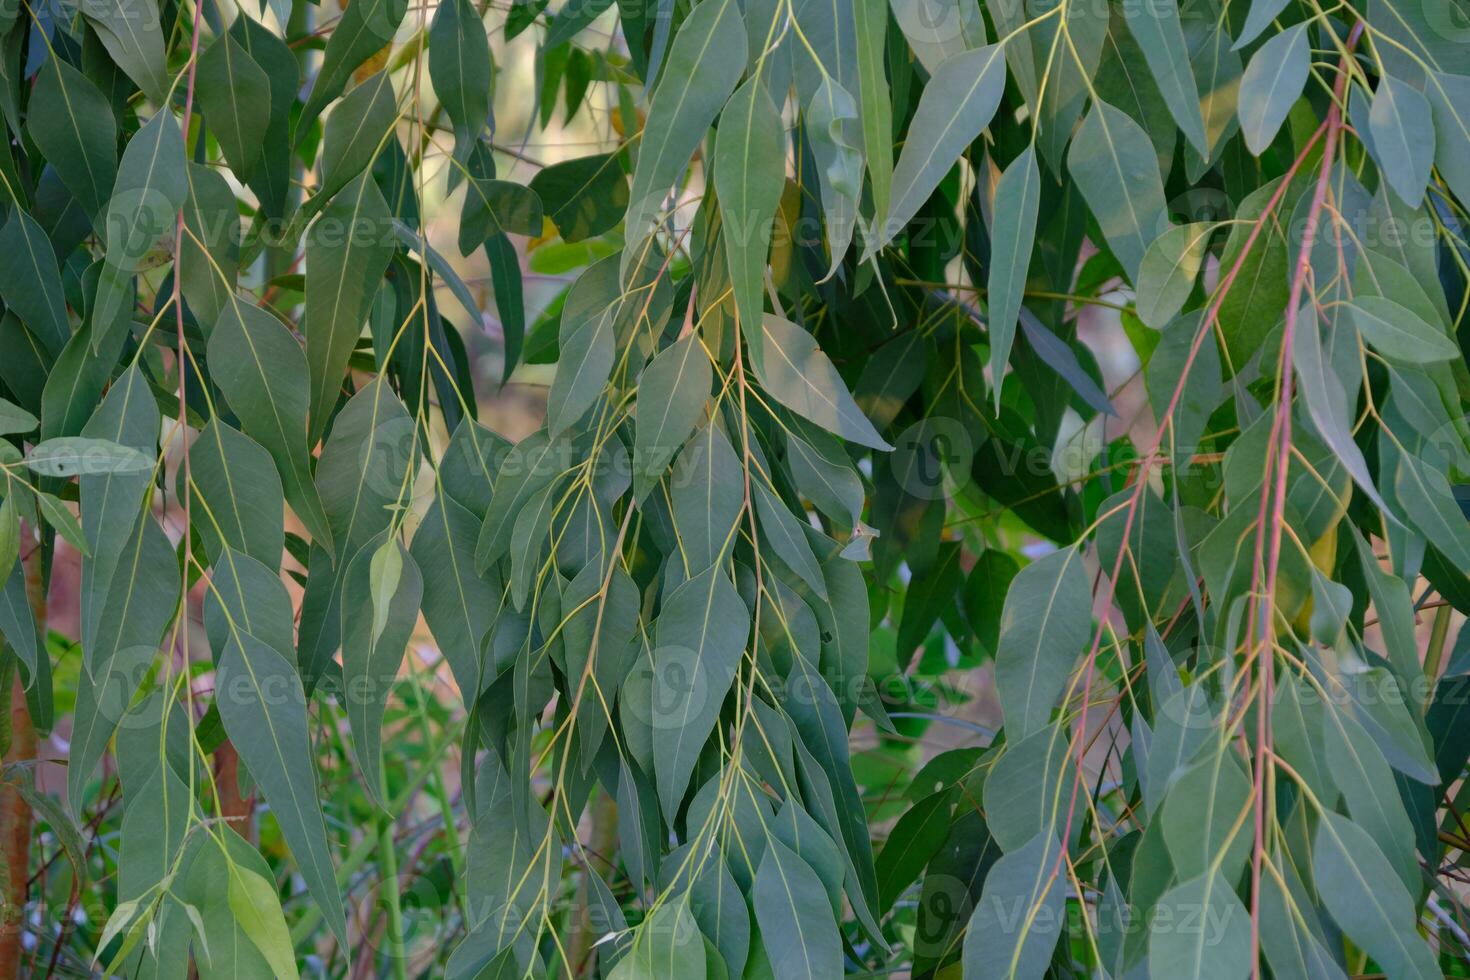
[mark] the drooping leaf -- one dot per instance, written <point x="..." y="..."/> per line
<point x="235" y="95"/>
<point x="798" y="375"/>
<point x="30" y="280"/>
<point x="264" y="709"/>
<point x="1272" y="82"/>
<point x="1158" y="32"/>
<point x="1403" y="137"/>
<point x="671" y="396"/>
<point x="1018" y="918"/>
<point x="701" y="636"/>
<point x="705" y="62"/>
<point x="73" y="126"/>
<point x="1113" y="163"/>
<point x="1044" y="625"/>
<point x="364" y="30"/>
<point x="263" y="373"/>
<point x="1017" y="198"/>
<point x="750" y="174"/>
<point x="801" y="938"/>
<point x="1366" y="898"/>
<point x="1217" y="948"/>
<point x="459" y="65"/>
<point x="133" y="37"/>
<point x="378" y="614"/>
<point x="956" y="106"/>
<point x="347" y="251"/>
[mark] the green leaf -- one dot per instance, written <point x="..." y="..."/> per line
<point x="271" y="171"/>
<point x="1430" y="505"/>
<point x="583" y="197"/>
<point x="237" y="493"/>
<point x="707" y="498"/>
<point x="356" y="132"/>
<point x="150" y="190"/>
<point x="701" y="636"/>
<point x="364" y="465"/>
<point x="380" y="605"/>
<point x="1157" y="30"/>
<point x="870" y="22"/>
<point x="73" y="126"/>
<point x="795" y="372"/>
<point x="529" y="467"/>
<point x="1398" y="333"/>
<point x="15" y="420"/>
<point x="1043" y="628"/>
<point x="9" y="534"/>
<point x="1272" y="82"/>
<point x="956" y="106"/>
<point x="1403" y="137"/>
<point x="1216" y="947"/>
<point x="588" y="350"/>
<point x="783" y="532"/>
<point x="1260" y="291"/>
<point x="133" y="37"/>
<point x="799" y="933"/>
<point x="1167" y="274"/>
<point x="30" y="281"/>
<point x="111" y="502"/>
<point x="750" y="174"/>
<point x="235" y="96"/>
<point x="1326" y="399"/>
<point x="1202" y="390"/>
<point x="1028" y="788"/>
<point x="1262" y="13"/>
<point x="1362" y="774"/>
<point x="262" y="371"/>
<point x="914" y="839"/>
<point x="1217" y="73"/>
<point x="1113" y="163"/>
<point x="458" y="604"/>
<point x="1199" y="816"/>
<point x="68" y="456"/>
<point x="348" y="248"/>
<point x="824" y="475"/>
<point x="500" y="207"/>
<point x="263" y="708"/>
<point x="256" y="908"/>
<point x="672" y="394"/>
<point x="668" y="944"/>
<point x="930" y="597"/>
<point x="571" y="20"/>
<point x="1016" y="923"/>
<point x="1012" y="236"/>
<point x="209" y="260"/>
<point x="60" y="517"/>
<point x="1447" y="96"/>
<point x="835" y="135"/>
<point x="460" y="68"/>
<point x="365" y="28"/>
<point x="1366" y="898"/>
<point x="704" y="64"/>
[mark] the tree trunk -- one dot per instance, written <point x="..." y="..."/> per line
<point x="15" y="833"/>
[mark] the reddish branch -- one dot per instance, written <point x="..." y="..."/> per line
<point x="1278" y="460"/>
<point x="1138" y="479"/>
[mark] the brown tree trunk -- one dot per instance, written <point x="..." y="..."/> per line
<point x="235" y="808"/>
<point x="15" y="813"/>
<point x="15" y="833"/>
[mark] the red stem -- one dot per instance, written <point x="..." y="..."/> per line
<point x="1278" y="463"/>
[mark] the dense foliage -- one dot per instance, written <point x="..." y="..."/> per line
<point x="1091" y="368"/>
